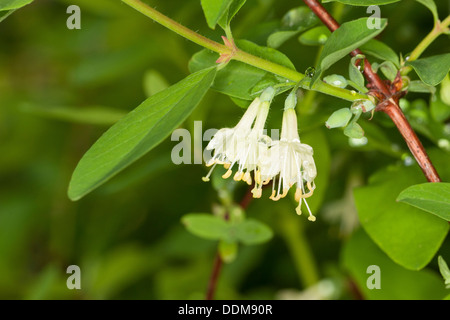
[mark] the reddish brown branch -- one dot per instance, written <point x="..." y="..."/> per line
<point x="214" y="277"/>
<point x="388" y="100"/>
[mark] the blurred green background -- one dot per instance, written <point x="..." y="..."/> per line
<point x="60" y="89"/>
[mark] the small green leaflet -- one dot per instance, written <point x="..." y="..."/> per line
<point x="431" y="197"/>
<point x="432" y="70"/>
<point x="138" y="132"/>
<point x="345" y="39"/>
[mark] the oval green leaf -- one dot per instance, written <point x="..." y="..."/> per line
<point x="345" y="39"/>
<point x="138" y="132"/>
<point x="432" y="70"/>
<point x="430" y="197"/>
<point x="251" y="232"/>
<point x="409" y="236"/>
<point x="396" y="283"/>
<point x="205" y="225"/>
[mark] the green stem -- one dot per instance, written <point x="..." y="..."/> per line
<point x="293" y="233"/>
<point x="438" y="29"/>
<point x="240" y="55"/>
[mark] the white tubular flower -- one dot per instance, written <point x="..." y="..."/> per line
<point x="243" y="145"/>
<point x="291" y="161"/>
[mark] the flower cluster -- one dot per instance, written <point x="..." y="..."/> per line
<point x="256" y="157"/>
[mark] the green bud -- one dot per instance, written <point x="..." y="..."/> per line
<point x="336" y="80"/>
<point x="228" y="250"/>
<point x="404" y="104"/>
<point x="389" y="70"/>
<point x="363" y="105"/>
<point x="291" y="101"/>
<point x="323" y="38"/>
<point x="268" y="94"/>
<point x="339" y="118"/>
<point x="354" y="130"/>
<point x="357" y="142"/>
<point x="445" y="90"/>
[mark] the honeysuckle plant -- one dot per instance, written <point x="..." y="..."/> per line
<point x="256" y="77"/>
<point x="357" y="91"/>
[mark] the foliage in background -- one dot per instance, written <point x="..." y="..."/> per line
<point x="61" y="89"/>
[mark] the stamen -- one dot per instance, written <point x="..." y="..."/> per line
<point x="298" y="194"/>
<point x="258" y="176"/>
<point x="311" y="217"/>
<point x="257" y="192"/>
<point x="247" y="178"/>
<point x="238" y="176"/>
<point x="206" y="179"/>
<point x="227" y="174"/>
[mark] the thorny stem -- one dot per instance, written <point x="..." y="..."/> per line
<point x="388" y="105"/>
<point x="240" y="55"/>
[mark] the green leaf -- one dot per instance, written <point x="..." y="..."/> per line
<point x="205" y="225"/>
<point x="13" y="4"/>
<point x="339" y="118"/>
<point x="277" y="38"/>
<point x="251" y="232"/>
<point x="354" y="130"/>
<point x="419" y="86"/>
<point x="431" y="6"/>
<point x="407" y="235"/>
<point x="228" y="250"/>
<point x="431" y="197"/>
<point x="315" y="36"/>
<point x="389" y="70"/>
<point x="138" y="132"/>
<point x="345" y="39"/>
<point x="363" y="2"/>
<point x="214" y="10"/>
<point x="444" y="270"/>
<point x="293" y="22"/>
<point x="6" y="14"/>
<point x="396" y="283"/>
<point x="380" y="50"/>
<point x="432" y="70"/>
<point x="354" y="72"/>
<point x="234" y="7"/>
<point x="238" y="79"/>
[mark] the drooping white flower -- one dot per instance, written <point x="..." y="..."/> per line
<point x="242" y="145"/>
<point x="290" y="161"/>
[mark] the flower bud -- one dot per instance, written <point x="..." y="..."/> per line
<point x="339" y="118"/>
<point x="354" y="130"/>
<point x="267" y="94"/>
<point x="336" y="80"/>
<point x="291" y="101"/>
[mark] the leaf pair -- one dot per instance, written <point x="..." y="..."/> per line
<point x="210" y="227"/>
